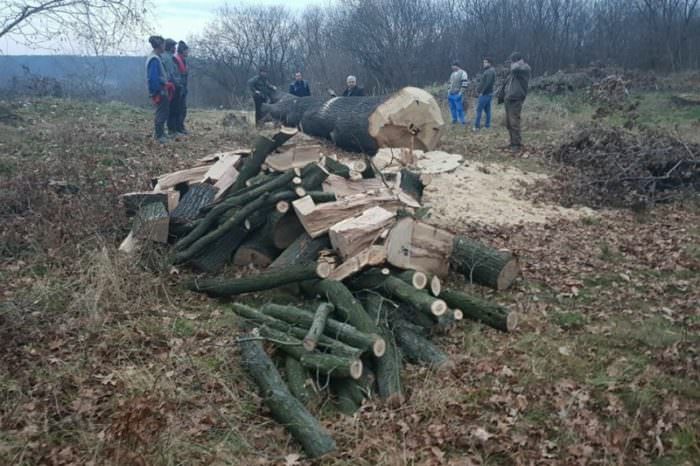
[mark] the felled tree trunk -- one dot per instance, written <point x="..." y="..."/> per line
<point x="484" y="265"/>
<point x="298" y="380"/>
<point x="259" y="282"/>
<point x="489" y="313"/>
<point x="419" y="349"/>
<point x="408" y="118"/>
<point x="285" y="408"/>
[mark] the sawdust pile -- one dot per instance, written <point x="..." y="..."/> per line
<point x="484" y="193"/>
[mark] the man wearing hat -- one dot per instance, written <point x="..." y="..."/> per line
<point x="513" y="93"/>
<point x="262" y="92"/>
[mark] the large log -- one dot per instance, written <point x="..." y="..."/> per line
<point x="352" y="235"/>
<point x="415" y="245"/>
<point x="341" y="331"/>
<point x="408" y="118"/>
<point x="489" y="313"/>
<point x="419" y="349"/>
<point x="285" y="408"/>
<point x="258" y="282"/>
<point x="484" y="265"/>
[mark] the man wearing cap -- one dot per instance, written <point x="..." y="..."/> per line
<point x="513" y="93"/>
<point x="459" y="80"/>
<point x="157" y="80"/>
<point x="262" y="92"/>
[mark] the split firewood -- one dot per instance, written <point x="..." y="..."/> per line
<point x="344" y="187"/>
<point x="132" y="202"/>
<point x="415" y="245"/>
<point x="371" y="257"/>
<point x="197" y="196"/>
<point x="295" y="157"/>
<point x="352" y="235"/>
<point x="170" y="180"/>
<point x="152" y="223"/>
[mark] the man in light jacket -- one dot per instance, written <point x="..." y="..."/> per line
<point x="459" y="80"/>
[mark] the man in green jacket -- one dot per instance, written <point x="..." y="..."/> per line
<point x="513" y="93"/>
<point x="262" y="92"/>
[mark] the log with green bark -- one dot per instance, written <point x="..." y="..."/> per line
<point x="266" y="280"/>
<point x="262" y="147"/>
<point x="256" y="250"/>
<point x="482" y="264"/>
<point x="217" y="254"/>
<point x="303" y="249"/>
<point x="348" y="395"/>
<point x="334" y="329"/>
<point x="317" y="326"/>
<point x="298" y="381"/>
<point x="416" y="279"/>
<point x="322" y="196"/>
<point x="336" y="168"/>
<point x="374" y="279"/>
<point x="419" y="349"/>
<point x="489" y="313"/>
<point x="331" y="364"/>
<point x="331" y="345"/>
<point x="313" y="177"/>
<point x="347" y="307"/>
<point x="388" y="367"/>
<point x="285" y="408"/>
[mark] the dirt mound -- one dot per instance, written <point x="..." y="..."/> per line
<point x="613" y="167"/>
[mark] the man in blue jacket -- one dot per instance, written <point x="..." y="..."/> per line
<point x="299" y="87"/>
<point x="158" y="86"/>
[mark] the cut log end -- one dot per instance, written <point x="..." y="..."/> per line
<point x="299" y="191"/>
<point x="438" y="308"/>
<point x="323" y="269"/>
<point x="282" y="207"/>
<point x="458" y="314"/>
<point x="379" y="347"/>
<point x="435" y="285"/>
<point x="386" y="272"/>
<point x="508" y="274"/>
<point x="419" y="280"/>
<point x="297" y="180"/>
<point x="356" y="369"/>
<point x="309" y="344"/>
<point x="512" y="321"/>
<point x="355" y="175"/>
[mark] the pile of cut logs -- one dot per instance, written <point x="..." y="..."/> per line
<point x="351" y="240"/>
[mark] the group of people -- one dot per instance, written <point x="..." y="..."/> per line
<point x="166" y="73"/>
<point x="263" y="91"/>
<point x="512" y="92"/>
<point x="166" y="70"/>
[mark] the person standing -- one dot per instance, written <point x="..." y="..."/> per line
<point x="459" y="80"/>
<point x="262" y="92"/>
<point x="352" y="89"/>
<point x="513" y="93"/>
<point x="485" y="91"/>
<point x="299" y="87"/>
<point x="181" y="61"/>
<point x="157" y="90"/>
<point x="174" y="78"/>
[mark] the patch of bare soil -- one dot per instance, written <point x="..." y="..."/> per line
<point x="484" y="193"/>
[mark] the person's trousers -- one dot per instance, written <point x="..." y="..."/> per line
<point x="258" y="108"/>
<point x="513" y="111"/>
<point x="483" y="105"/>
<point x="183" y="111"/>
<point x="161" y="117"/>
<point x="456" y="107"/>
<point x="174" y="114"/>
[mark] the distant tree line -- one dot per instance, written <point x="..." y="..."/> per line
<point x="392" y="43"/>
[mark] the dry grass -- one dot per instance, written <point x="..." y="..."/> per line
<point x="107" y="361"/>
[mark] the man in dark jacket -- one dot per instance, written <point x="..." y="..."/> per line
<point x="513" y="93"/>
<point x="262" y="92"/>
<point x="174" y="76"/>
<point x="352" y="89"/>
<point x="299" y="87"/>
<point x="157" y="86"/>
<point x="485" y="91"/>
<point x="181" y="61"/>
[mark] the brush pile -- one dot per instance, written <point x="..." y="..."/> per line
<point x="346" y="237"/>
<point x="612" y="167"/>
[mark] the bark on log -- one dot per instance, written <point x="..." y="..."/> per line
<point x="262" y="148"/>
<point x="484" y="265"/>
<point x="334" y="366"/>
<point x="132" y="202"/>
<point x="259" y="282"/>
<point x="322" y="196"/>
<point x="408" y="118"/>
<point x="375" y="280"/>
<point x="285" y="230"/>
<point x="317" y="326"/>
<point x="388" y="367"/>
<point x="336" y="168"/>
<point x="325" y="342"/>
<point x="298" y="380"/>
<point x="303" y="249"/>
<point x="257" y="250"/>
<point x="347" y="307"/>
<point x="217" y="254"/>
<point x="152" y="223"/>
<point x="349" y="395"/>
<point x="416" y="279"/>
<point x="419" y="349"/>
<point x="313" y="177"/>
<point x="196" y="197"/>
<point x="341" y="331"/>
<point x="286" y="409"/>
<point x="411" y="183"/>
<point x="489" y="313"/>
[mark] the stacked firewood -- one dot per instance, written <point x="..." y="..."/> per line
<point x="347" y="238"/>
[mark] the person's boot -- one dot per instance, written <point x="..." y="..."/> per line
<point x="162" y="140"/>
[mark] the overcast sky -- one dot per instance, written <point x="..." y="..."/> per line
<point x="176" y="19"/>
